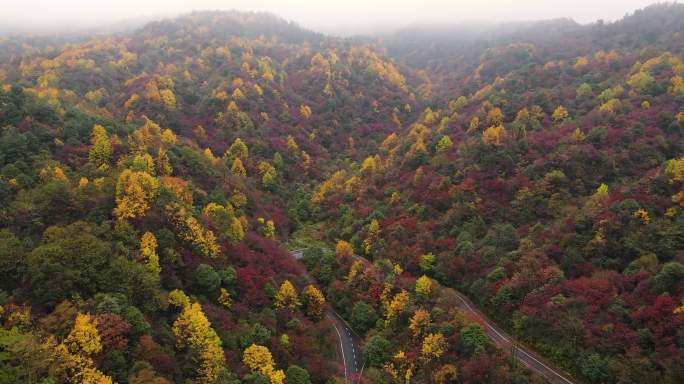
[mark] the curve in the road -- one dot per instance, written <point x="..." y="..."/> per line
<point x="349" y="343"/>
<point x="352" y="356"/>
<point x="350" y="350"/>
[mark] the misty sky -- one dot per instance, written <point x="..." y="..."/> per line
<point x="323" y="15"/>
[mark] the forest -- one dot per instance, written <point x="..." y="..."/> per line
<point x="154" y="185"/>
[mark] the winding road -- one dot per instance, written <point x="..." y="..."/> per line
<point x="349" y="346"/>
<point x="350" y="350"/>
<point x="353" y="358"/>
<point x="512" y="347"/>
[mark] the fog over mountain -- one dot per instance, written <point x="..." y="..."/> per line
<point x="337" y="17"/>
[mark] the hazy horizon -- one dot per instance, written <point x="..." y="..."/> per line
<point x="348" y="17"/>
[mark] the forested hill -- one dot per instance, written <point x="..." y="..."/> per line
<point x="455" y="51"/>
<point x="149" y="181"/>
<point x="545" y="182"/>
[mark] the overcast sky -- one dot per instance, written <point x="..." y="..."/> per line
<point x="324" y="15"/>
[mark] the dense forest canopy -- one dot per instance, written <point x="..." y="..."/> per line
<point x="152" y="182"/>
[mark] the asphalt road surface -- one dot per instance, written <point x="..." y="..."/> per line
<point x="512" y="347"/>
<point x="349" y="347"/>
<point x="353" y="358"/>
<point x="350" y="351"/>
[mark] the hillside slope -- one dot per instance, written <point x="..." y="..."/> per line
<point x="148" y="181"/>
<point x="547" y="186"/>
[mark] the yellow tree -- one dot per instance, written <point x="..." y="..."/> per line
<point x="334" y="183"/>
<point x="418" y="147"/>
<point x="314" y="302"/>
<point x="178" y="298"/>
<point x="474" y="124"/>
<point x="356" y="268"/>
<point x="210" y="156"/>
<point x="420" y="321"/>
<point x="305" y="111"/>
<point x="267" y="228"/>
<point x="642" y="214"/>
<point x="610" y="106"/>
<point x="306" y="160"/>
<point x="521" y="122"/>
<point x="164" y="167"/>
<point x="259" y="359"/>
<point x="494" y="135"/>
<point x="399" y="368"/>
<point x="433" y="347"/>
<point x="581" y="62"/>
<point x="238" y="95"/>
<point x="237" y="168"/>
<point x="424" y="286"/>
<point x="149" y="134"/>
<point x="148" y="251"/>
<point x="601" y="192"/>
<point x="143" y="162"/>
<point x="131" y="101"/>
<point x="135" y="191"/>
<point x="286" y="297"/>
<point x="152" y="91"/>
<point x="224" y="221"/>
<point x="390" y="142"/>
<point x="69" y="365"/>
<point x="203" y="239"/>
<point x="677" y="85"/>
<point x="444" y="145"/>
<point x="675" y="169"/>
<point x="84" y="340"/>
<point x="168" y="99"/>
<point x="101" y="152"/>
<point x="352" y="184"/>
<point x="224" y="298"/>
<point x="193" y="330"/>
<point x="447" y="373"/>
<point x="267" y="172"/>
<point x="369" y="165"/>
<point x="59" y="174"/>
<point x="641" y="81"/>
<point x="238" y="199"/>
<point x="372" y="236"/>
<point x="236" y="231"/>
<point x="495" y="117"/>
<point x="259" y="91"/>
<point x="291" y="144"/>
<point x="328" y="90"/>
<point x="343" y="249"/>
<point x="560" y="114"/>
<point x="397" y="306"/>
<point x="429" y="117"/>
<point x="168" y="136"/>
<point x="91" y="375"/>
<point x="238" y="149"/>
<point x="577" y="136"/>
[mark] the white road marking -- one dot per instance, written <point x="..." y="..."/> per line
<point x="344" y="360"/>
<point x="508" y="341"/>
<point x="298" y="254"/>
<point x="545" y="366"/>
